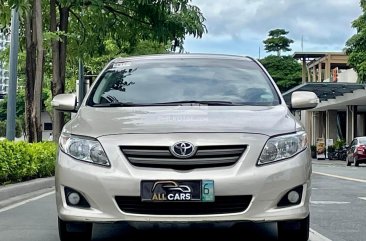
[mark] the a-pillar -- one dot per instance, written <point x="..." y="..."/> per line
<point x="331" y="125"/>
<point x="351" y="123"/>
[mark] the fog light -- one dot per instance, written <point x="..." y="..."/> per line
<point x="293" y="197"/>
<point x="74" y="198"/>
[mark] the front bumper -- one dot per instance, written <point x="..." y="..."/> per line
<point x="266" y="184"/>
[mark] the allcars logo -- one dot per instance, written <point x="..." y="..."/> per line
<point x="171" y="191"/>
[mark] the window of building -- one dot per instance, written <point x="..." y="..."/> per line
<point x="47" y="126"/>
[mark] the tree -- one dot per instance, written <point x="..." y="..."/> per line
<point x="31" y="16"/>
<point x="78" y="29"/>
<point x="285" y="71"/>
<point x="19" y="106"/>
<point x="356" y="45"/>
<point x="277" y="41"/>
<point x="19" y="127"/>
<point x="34" y="71"/>
<point x="127" y="21"/>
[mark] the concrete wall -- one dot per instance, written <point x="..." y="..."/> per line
<point x="45" y="117"/>
<point x="348" y="76"/>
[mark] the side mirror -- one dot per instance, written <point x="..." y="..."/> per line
<point x="64" y="102"/>
<point x="303" y="100"/>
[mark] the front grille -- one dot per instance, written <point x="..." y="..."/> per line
<point x="222" y="205"/>
<point x="206" y="156"/>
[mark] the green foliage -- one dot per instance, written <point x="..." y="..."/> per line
<point x="128" y="23"/>
<point x="2" y="128"/>
<point x="101" y="30"/>
<point x="277" y="41"/>
<point x="285" y="71"/>
<point x="145" y="47"/>
<point x="18" y="128"/>
<point x="356" y="45"/>
<point x="339" y="144"/>
<point x="20" y="105"/>
<point x="20" y="161"/>
<point x="43" y="155"/>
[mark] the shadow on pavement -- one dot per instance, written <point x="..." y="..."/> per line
<point x="184" y="232"/>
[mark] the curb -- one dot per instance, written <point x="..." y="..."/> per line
<point x="18" y="189"/>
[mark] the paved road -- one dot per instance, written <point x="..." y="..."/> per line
<point x="337" y="213"/>
<point x="338" y="203"/>
<point x="36" y="221"/>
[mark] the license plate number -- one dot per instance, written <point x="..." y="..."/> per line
<point x="177" y="191"/>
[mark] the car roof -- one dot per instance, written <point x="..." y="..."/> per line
<point x="182" y="56"/>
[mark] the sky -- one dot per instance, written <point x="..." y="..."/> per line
<point x="240" y="26"/>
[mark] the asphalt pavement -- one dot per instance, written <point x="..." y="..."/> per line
<point x="337" y="213"/>
<point x="338" y="202"/>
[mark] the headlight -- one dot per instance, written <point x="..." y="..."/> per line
<point x="282" y="147"/>
<point x="84" y="149"/>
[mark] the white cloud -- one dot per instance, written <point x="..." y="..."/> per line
<point x="323" y="24"/>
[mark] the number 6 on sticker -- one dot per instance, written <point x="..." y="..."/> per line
<point x="206" y="190"/>
<point x="208" y="194"/>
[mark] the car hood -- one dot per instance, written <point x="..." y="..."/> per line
<point x="265" y="120"/>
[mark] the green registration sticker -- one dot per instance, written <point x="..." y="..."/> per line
<point x="208" y="193"/>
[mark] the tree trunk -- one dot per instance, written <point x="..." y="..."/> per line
<point x="58" y="62"/>
<point x="30" y="74"/>
<point x="57" y="115"/>
<point x="34" y="72"/>
<point x="37" y="104"/>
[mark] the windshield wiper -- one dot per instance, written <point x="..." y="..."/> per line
<point x="116" y="104"/>
<point x="198" y="102"/>
<point x="173" y="103"/>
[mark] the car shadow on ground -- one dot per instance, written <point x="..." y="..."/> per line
<point x="244" y="231"/>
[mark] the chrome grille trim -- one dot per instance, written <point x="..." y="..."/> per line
<point x="160" y="156"/>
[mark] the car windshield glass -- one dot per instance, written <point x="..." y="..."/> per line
<point x="200" y="81"/>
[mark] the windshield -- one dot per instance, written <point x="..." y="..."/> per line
<point x="175" y="81"/>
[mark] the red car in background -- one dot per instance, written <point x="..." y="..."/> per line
<point x="356" y="152"/>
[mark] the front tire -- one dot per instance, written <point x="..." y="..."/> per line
<point x="294" y="230"/>
<point x="74" y="231"/>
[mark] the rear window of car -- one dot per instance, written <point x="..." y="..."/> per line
<point x="362" y="140"/>
<point x="172" y="80"/>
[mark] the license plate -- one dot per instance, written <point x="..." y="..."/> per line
<point x="178" y="191"/>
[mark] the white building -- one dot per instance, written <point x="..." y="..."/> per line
<point x="341" y="114"/>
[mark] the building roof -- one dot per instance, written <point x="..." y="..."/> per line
<point x="314" y="55"/>
<point x="324" y="91"/>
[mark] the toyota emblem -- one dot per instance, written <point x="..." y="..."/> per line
<point x="183" y="149"/>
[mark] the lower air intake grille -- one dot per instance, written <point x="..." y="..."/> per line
<point x="222" y="205"/>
